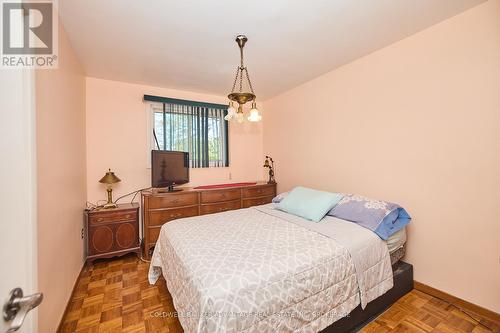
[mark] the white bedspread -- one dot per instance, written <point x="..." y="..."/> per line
<point x="261" y="270"/>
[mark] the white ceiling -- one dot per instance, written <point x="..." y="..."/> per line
<point x="189" y="45"/>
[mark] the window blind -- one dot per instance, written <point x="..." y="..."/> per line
<point x="194" y="127"/>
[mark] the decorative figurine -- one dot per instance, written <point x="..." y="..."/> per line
<point x="271" y="169"/>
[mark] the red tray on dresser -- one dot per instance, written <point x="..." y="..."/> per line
<point x="208" y="187"/>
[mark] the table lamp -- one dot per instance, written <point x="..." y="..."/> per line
<point x="110" y="179"/>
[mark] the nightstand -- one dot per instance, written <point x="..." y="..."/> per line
<point x="112" y="232"/>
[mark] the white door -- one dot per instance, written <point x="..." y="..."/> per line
<point x="17" y="193"/>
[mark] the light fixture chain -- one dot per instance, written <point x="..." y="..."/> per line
<point x="249" y="81"/>
<point x="235" y="79"/>
<point x="241" y="79"/>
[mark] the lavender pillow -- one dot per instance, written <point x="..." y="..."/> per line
<point x="382" y="217"/>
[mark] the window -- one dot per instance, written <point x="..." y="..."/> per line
<point x="195" y="127"/>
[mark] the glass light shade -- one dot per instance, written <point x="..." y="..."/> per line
<point x="239" y="117"/>
<point x="231" y="112"/>
<point x="254" y="115"/>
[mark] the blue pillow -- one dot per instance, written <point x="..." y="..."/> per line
<point x="382" y="217"/>
<point x="308" y="203"/>
<point x="393" y="222"/>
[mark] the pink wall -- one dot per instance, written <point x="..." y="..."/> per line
<point x="117" y="139"/>
<point x="417" y="123"/>
<point x="60" y="112"/>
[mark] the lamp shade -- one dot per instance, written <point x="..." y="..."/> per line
<point x="231" y="112"/>
<point x="254" y="115"/>
<point x="110" y="178"/>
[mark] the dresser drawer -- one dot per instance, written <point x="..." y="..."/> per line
<point x="153" y="233"/>
<point x="159" y="217"/>
<point x="259" y="191"/>
<point x="173" y="200"/>
<point x="256" y="201"/>
<point x="103" y="217"/>
<point x="220" y="207"/>
<point x="220" y="195"/>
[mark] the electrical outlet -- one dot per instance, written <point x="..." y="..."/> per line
<point x="230" y="176"/>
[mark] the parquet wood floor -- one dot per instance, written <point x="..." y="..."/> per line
<point x="115" y="296"/>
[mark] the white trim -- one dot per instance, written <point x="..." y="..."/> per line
<point x="29" y="96"/>
<point x="149" y="129"/>
<point x="150" y="140"/>
<point x="18" y="229"/>
<point x="29" y="106"/>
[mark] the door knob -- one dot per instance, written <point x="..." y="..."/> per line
<point x="17" y="307"/>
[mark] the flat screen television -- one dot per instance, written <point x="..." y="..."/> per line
<point x="169" y="168"/>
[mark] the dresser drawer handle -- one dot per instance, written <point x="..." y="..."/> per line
<point x="175" y="215"/>
<point x="223" y="209"/>
<point x="223" y="195"/>
<point x="128" y="216"/>
<point x="100" y="219"/>
<point x="175" y="201"/>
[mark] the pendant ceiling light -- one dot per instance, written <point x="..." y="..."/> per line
<point x="241" y="97"/>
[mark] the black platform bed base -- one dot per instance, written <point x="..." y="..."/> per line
<point x="403" y="284"/>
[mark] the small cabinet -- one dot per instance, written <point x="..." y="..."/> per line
<point x="112" y="232"/>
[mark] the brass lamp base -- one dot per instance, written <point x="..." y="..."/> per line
<point x="110" y="203"/>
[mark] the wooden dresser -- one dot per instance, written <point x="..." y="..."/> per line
<point x="112" y="232"/>
<point x="161" y="207"/>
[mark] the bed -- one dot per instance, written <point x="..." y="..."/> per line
<point x="263" y="270"/>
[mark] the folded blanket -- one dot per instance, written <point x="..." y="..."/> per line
<point x="383" y="218"/>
